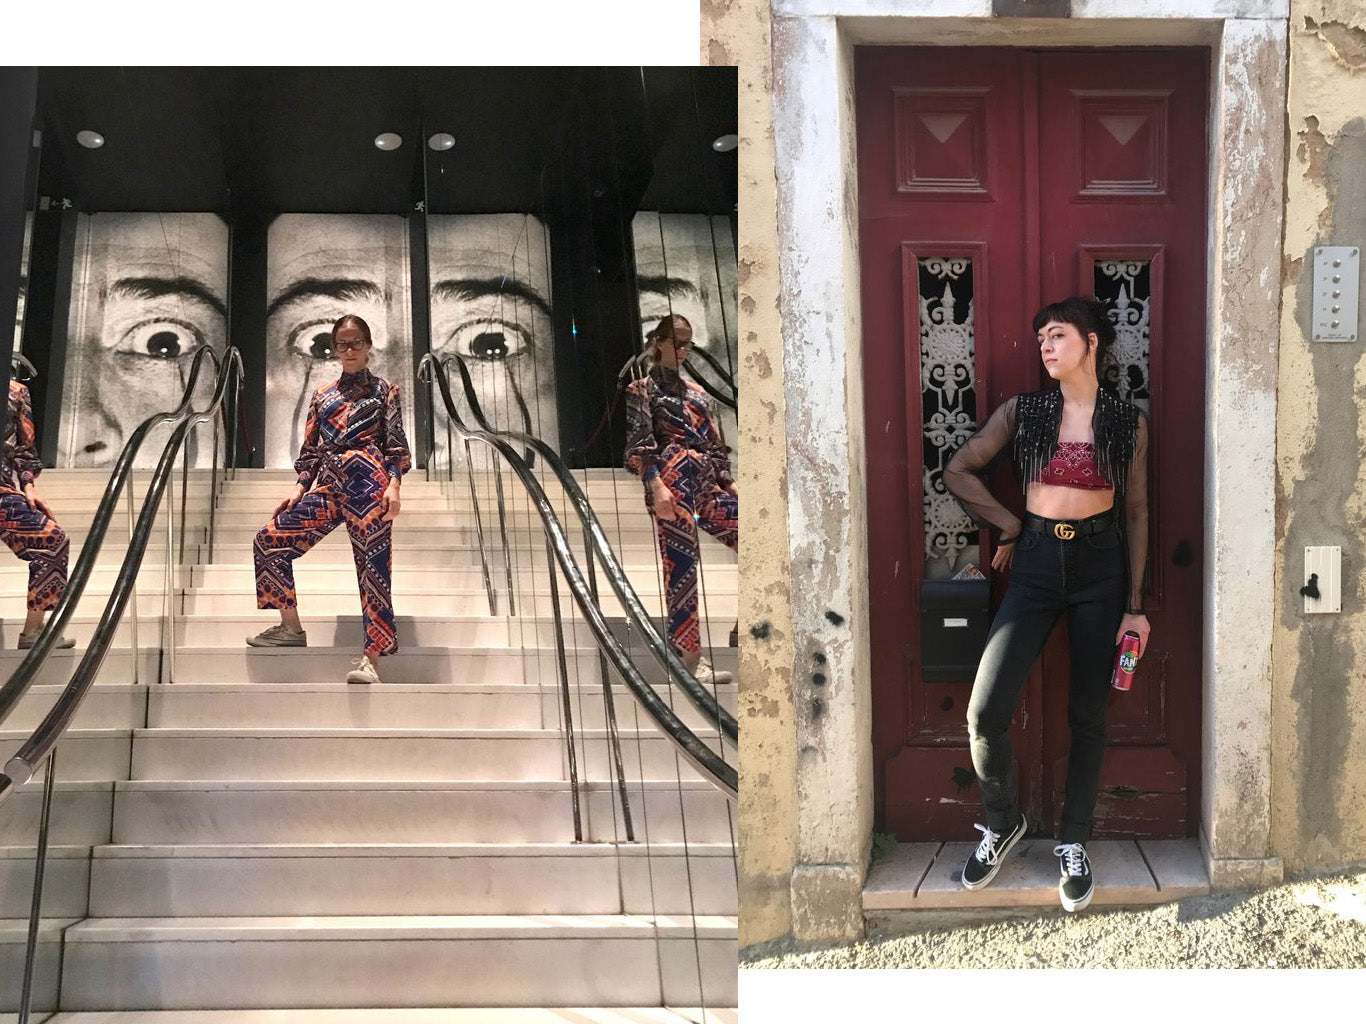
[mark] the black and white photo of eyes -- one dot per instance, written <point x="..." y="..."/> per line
<point x="490" y="305"/>
<point x="319" y="266"/>
<point x="149" y="290"/>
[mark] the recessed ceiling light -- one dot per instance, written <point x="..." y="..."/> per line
<point x="90" y="140"/>
<point x="441" y="141"/>
<point x="725" y="143"/>
<point x="388" y="140"/>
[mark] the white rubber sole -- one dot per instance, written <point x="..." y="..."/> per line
<point x="1073" y="906"/>
<point x="1005" y="852"/>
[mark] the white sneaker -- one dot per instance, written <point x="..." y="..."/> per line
<point x="364" y="672"/>
<point x="706" y="675"/>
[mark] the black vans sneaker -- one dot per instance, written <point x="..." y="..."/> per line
<point x="985" y="861"/>
<point x="1077" y="885"/>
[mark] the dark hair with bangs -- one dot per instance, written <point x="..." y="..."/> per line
<point x="352" y="320"/>
<point x="1088" y="316"/>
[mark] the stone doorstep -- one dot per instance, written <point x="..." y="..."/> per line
<point x="927" y="876"/>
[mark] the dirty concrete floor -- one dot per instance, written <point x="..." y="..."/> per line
<point x="1307" y="923"/>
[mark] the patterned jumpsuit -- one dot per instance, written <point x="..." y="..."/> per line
<point x="670" y="434"/>
<point x="30" y="533"/>
<point x="353" y="445"/>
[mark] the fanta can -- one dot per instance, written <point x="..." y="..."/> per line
<point x="1125" y="661"/>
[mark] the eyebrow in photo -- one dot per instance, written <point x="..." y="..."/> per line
<point x="346" y="288"/>
<point x="666" y="285"/>
<point x="156" y="287"/>
<point x="480" y="288"/>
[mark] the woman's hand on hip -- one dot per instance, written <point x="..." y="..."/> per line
<point x="1005" y="553"/>
<point x="389" y="503"/>
<point x="1137" y="624"/>
<point x="35" y="502"/>
<point x="299" y="491"/>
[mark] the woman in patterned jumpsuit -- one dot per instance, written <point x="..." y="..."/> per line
<point x="673" y="445"/>
<point x="354" y="454"/>
<point x="26" y="523"/>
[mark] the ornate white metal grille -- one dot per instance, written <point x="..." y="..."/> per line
<point x="1125" y="286"/>
<point x="948" y="399"/>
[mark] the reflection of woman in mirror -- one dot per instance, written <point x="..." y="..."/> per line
<point x="354" y="454"/>
<point x="673" y="445"/>
<point x="26" y="523"/>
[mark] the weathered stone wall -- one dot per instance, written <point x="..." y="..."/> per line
<point x="1318" y="679"/>
<point x="737" y="32"/>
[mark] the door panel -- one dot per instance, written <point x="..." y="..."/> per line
<point x="991" y="181"/>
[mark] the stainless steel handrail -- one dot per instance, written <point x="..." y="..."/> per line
<point x="707" y="762"/>
<point x="22" y="766"/>
<point x="704" y="701"/>
<point x="18" y="683"/>
<point x="40" y="748"/>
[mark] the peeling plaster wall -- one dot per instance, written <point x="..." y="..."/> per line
<point x="737" y="32"/>
<point x="1318" y="686"/>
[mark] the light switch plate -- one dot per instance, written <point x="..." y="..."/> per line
<point x="1326" y="563"/>
<point x="1337" y="277"/>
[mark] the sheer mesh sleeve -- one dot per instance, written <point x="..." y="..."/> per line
<point x="963" y="474"/>
<point x="1136" y="512"/>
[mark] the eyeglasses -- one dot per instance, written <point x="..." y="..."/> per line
<point x="348" y="346"/>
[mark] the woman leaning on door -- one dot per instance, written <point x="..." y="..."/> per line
<point x="1081" y="454"/>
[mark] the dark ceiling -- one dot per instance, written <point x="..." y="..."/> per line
<point x="302" y="139"/>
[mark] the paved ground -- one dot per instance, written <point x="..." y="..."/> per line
<point x="1316" y="922"/>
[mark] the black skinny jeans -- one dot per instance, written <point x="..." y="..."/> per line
<point x="1084" y="577"/>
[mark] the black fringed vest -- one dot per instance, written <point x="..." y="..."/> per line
<point x="1038" y="417"/>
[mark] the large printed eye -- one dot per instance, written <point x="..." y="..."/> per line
<point x="160" y="339"/>
<point x="312" y="340"/>
<point x="489" y="340"/>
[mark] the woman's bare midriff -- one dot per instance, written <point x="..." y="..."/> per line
<point x="1054" y="502"/>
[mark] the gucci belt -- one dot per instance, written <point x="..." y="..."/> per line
<point x="1064" y="531"/>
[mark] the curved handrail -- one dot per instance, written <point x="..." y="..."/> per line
<point x="701" y="698"/>
<point x="18" y="683"/>
<point x="641" y="362"/>
<point x="697" y="753"/>
<point x="21" y="767"/>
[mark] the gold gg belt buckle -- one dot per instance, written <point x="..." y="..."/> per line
<point x="1064" y="531"/>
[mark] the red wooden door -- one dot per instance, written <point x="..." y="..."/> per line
<point x="990" y="182"/>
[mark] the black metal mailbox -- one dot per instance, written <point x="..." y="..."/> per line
<point x="954" y="618"/>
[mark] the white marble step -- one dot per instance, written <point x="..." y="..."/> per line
<point x="411" y="1015"/>
<point x="531" y="627"/>
<point x="416" y="664"/>
<point x="66" y="882"/>
<point x="117" y="667"/>
<point x="85" y="755"/>
<point x="14" y="574"/>
<point x="721" y="578"/>
<point x="335" y="549"/>
<point x="445" y="602"/>
<point x="545" y="878"/>
<point x="189" y="811"/>
<point x="47" y="967"/>
<point x="393" y="706"/>
<point x="127" y="963"/>
<point x="150" y="602"/>
<point x="509" y="755"/>
<point x="82" y="814"/>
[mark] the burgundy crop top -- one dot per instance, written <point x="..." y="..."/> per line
<point x="1073" y="465"/>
